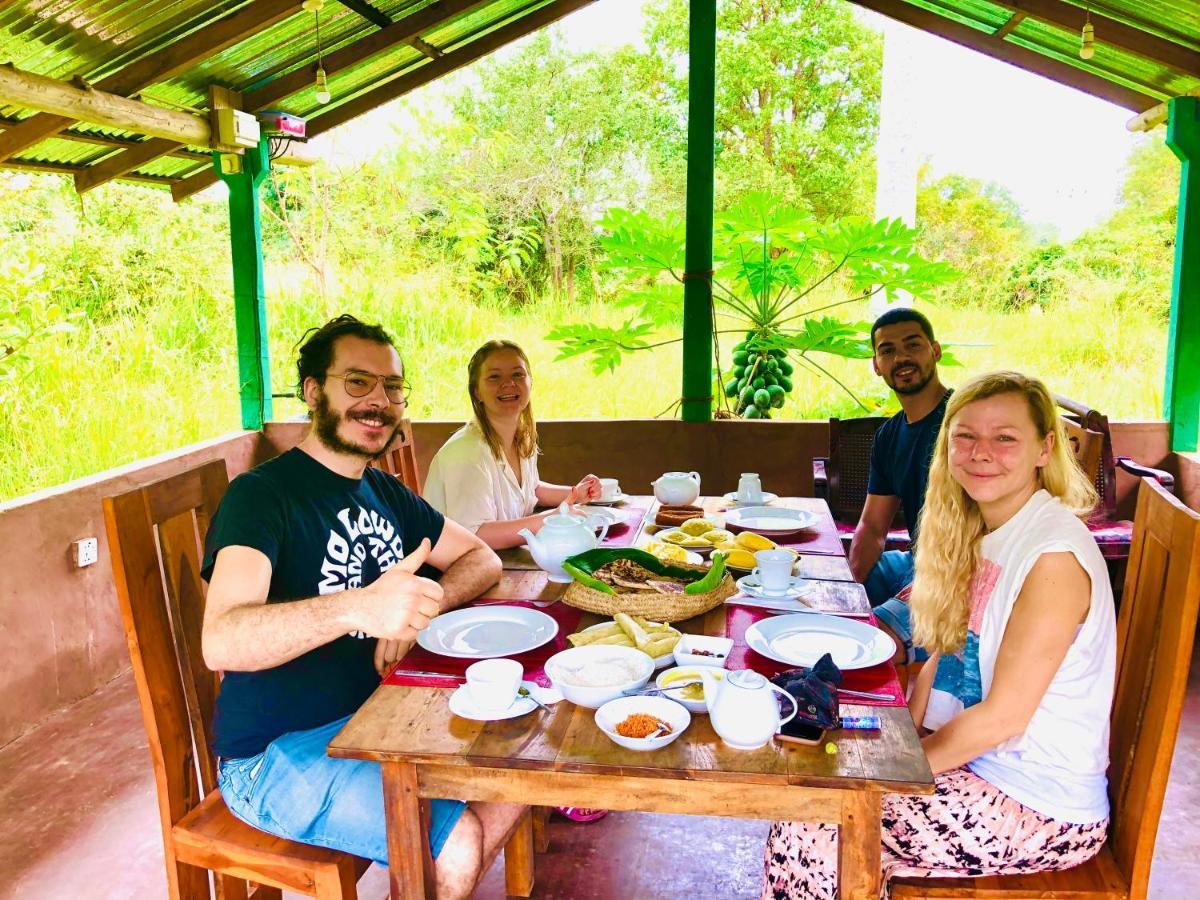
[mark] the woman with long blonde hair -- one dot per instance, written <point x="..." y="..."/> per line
<point x="1013" y="601"/>
<point x="485" y="476"/>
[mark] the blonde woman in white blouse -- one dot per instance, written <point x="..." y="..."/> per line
<point x="485" y="477"/>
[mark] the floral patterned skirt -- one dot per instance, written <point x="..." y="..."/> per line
<point x="967" y="827"/>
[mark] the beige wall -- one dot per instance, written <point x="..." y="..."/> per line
<point x="60" y="632"/>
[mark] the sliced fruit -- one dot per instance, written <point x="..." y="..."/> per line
<point x="717" y="537"/>
<point x="698" y="526"/>
<point x="748" y="540"/>
<point x="740" y="559"/>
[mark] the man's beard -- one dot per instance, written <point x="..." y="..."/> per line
<point x="917" y="386"/>
<point x="326" y="423"/>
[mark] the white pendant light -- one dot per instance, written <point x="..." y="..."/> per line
<point x="321" y="84"/>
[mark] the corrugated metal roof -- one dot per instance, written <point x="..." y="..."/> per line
<point x="96" y="39"/>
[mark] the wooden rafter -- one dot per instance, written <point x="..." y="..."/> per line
<point x="368" y="12"/>
<point x="63" y="169"/>
<point x="1011" y="53"/>
<point x="166" y="63"/>
<point x="1180" y="59"/>
<point x="415" y="78"/>
<point x="1010" y="26"/>
<point x="405" y="31"/>
<point x="112" y="143"/>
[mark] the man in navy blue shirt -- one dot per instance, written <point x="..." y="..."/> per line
<point x="905" y="357"/>
<point x="321" y="572"/>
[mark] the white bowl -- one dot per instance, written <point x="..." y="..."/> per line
<point x="615" y="711"/>
<point x="660" y="662"/>
<point x="685" y="650"/>
<point x="675" y="694"/>
<point x="592" y="697"/>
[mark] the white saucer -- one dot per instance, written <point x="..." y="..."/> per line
<point x="767" y="497"/>
<point x="620" y="498"/>
<point x="462" y="705"/>
<point x="749" y="585"/>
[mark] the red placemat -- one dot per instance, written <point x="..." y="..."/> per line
<point x="449" y="671"/>
<point x="880" y="678"/>
<point x="624" y="532"/>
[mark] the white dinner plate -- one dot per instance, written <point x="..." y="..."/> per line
<point x="767" y="497"/>
<point x="800" y="639"/>
<point x="600" y="514"/>
<point x="770" y="519"/>
<point x="486" y="632"/>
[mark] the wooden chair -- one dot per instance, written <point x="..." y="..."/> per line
<point x="156" y="537"/>
<point x="841" y="478"/>
<point x="1155" y="631"/>
<point x="401" y="458"/>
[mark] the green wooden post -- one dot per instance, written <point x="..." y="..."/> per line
<point x="249" y="296"/>
<point x="697" y="285"/>
<point x="1182" y="395"/>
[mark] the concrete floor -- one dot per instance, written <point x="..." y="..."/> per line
<point x="80" y="821"/>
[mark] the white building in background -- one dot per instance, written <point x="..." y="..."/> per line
<point x="897" y="147"/>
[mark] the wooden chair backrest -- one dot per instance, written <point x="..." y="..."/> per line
<point x="1087" y="446"/>
<point x="849" y="466"/>
<point x="401" y="458"/>
<point x="1155" y="631"/>
<point x="156" y="538"/>
<point x="1105" y="477"/>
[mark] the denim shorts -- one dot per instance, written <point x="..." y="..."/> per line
<point x="891" y="574"/>
<point x="293" y="790"/>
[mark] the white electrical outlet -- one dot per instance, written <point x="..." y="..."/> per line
<point x="84" y="552"/>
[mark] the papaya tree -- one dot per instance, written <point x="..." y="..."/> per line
<point x="778" y="273"/>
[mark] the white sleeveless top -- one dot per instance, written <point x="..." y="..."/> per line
<point x="468" y="484"/>
<point x="1058" y="766"/>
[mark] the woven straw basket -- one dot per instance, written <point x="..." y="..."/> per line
<point x="651" y="604"/>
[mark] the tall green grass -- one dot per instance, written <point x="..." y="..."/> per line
<point x="158" y="376"/>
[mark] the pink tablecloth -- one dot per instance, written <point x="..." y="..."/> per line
<point x="448" y="671"/>
<point x="631" y="515"/>
<point x="881" y="678"/>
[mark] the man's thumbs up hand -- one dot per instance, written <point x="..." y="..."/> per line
<point x="399" y="603"/>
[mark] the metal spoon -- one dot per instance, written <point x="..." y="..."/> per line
<point x="525" y="692"/>
<point x="866" y="695"/>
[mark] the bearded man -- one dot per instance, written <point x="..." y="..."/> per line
<point x="320" y="573"/>
<point x="905" y="357"/>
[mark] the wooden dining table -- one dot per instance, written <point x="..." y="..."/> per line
<point x="559" y="757"/>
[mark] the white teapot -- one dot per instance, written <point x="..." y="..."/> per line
<point x="563" y="535"/>
<point x="677" y="488"/>
<point x="743" y="709"/>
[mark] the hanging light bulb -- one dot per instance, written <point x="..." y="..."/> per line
<point x="321" y="85"/>
<point x="1087" y="39"/>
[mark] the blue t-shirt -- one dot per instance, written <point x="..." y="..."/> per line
<point x="900" y="460"/>
<point x="323" y="534"/>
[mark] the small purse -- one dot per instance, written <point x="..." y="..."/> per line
<point x="815" y="691"/>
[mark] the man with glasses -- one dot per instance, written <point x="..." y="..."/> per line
<point x="320" y="573"/>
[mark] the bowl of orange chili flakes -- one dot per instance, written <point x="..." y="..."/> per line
<point x="629" y="721"/>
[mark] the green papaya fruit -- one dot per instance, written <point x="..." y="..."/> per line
<point x="778" y="395"/>
<point x="752" y="412"/>
<point x="785" y="367"/>
<point x="762" y="399"/>
<point x="772" y="365"/>
<point x="759" y="382"/>
<point x="747" y="395"/>
<point x="739" y="371"/>
<point x="731" y="387"/>
<point x="786" y="384"/>
<point x="740" y="357"/>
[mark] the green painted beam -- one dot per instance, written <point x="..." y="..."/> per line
<point x="249" y="296"/>
<point x="697" y="285"/>
<point x="1182" y="395"/>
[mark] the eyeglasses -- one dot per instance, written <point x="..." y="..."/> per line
<point x="359" y="384"/>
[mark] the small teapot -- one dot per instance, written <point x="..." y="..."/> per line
<point x="743" y="709"/>
<point x="563" y="535"/>
<point x="677" y="488"/>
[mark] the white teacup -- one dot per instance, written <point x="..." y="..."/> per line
<point x="493" y="683"/>
<point x="749" y="488"/>
<point x="774" y="569"/>
<point x="610" y="489"/>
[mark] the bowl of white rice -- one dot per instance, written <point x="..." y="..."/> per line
<point x="592" y="675"/>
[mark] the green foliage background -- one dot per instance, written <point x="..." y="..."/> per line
<point x="482" y="224"/>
